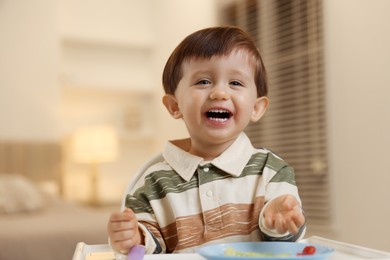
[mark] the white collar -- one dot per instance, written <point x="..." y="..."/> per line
<point x="233" y="160"/>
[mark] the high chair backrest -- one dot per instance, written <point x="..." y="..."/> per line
<point x="138" y="175"/>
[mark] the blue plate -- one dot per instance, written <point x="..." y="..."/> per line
<point x="276" y="249"/>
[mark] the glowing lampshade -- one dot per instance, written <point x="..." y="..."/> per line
<point x="92" y="146"/>
<point x="97" y="144"/>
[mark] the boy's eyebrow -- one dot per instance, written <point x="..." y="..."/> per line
<point x="233" y="74"/>
<point x="241" y="73"/>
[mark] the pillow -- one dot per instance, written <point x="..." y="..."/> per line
<point x="18" y="194"/>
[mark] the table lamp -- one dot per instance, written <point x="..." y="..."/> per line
<point x="94" y="145"/>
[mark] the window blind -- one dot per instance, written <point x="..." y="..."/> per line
<point x="289" y="35"/>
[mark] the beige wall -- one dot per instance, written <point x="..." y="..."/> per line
<point x="358" y="87"/>
<point x="29" y="54"/>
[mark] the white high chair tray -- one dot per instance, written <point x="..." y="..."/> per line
<point x="343" y="251"/>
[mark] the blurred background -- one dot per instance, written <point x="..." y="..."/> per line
<point x="85" y="77"/>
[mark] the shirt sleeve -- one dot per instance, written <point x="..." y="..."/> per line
<point x="135" y="199"/>
<point x="279" y="181"/>
<point x="154" y="244"/>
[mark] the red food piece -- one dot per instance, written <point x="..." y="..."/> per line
<point x="308" y="250"/>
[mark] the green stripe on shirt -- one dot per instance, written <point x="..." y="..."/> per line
<point x="162" y="182"/>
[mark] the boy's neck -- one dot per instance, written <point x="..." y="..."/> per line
<point x="206" y="151"/>
<point x="209" y="151"/>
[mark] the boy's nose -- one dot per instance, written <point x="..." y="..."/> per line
<point x="219" y="93"/>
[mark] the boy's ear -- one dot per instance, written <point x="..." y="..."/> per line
<point x="259" y="108"/>
<point x="172" y="106"/>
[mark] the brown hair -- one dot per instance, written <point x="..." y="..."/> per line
<point x="213" y="41"/>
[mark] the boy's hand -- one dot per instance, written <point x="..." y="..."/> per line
<point x="123" y="230"/>
<point x="284" y="214"/>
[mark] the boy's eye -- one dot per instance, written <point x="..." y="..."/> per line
<point x="236" y="83"/>
<point x="203" y="82"/>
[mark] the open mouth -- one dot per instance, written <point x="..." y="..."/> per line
<point x="218" y="115"/>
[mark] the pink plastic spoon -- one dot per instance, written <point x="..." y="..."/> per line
<point x="136" y="253"/>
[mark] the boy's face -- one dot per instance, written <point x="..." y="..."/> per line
<point x="217" y="97"/>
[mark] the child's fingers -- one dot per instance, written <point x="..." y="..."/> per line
<point x="121" y="221"/>
<point x="129" y="213"/>
<point x="287" y="203"/>
<point x="269" y="223"/>
<point x="116" y="226"/>
<point x="292" y="227"/>
<point x="122" y="246"/>
<point x="120" y="216"/>
<point x="269" y="220"/>
<point x="123" y="235"/>
<point x="284" y="214"/>
<point x="298" y="218"/>
<point x="295" y="221"/>
<point x="280" y="225"/>
<point x="290" y="203"/>
<point x="123" y="230"/>
<point x="125" y="215"/>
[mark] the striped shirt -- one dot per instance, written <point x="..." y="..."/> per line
<point x="182" y="201"/>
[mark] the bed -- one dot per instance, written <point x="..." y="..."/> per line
<point x="35" y="223"/>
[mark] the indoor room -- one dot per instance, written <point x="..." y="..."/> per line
<point x="81" y="110"/>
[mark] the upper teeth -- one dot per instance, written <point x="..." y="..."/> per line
<point x="218" y="111"/>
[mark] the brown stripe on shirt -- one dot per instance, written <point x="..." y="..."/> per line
<point x="227" y="220"/>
